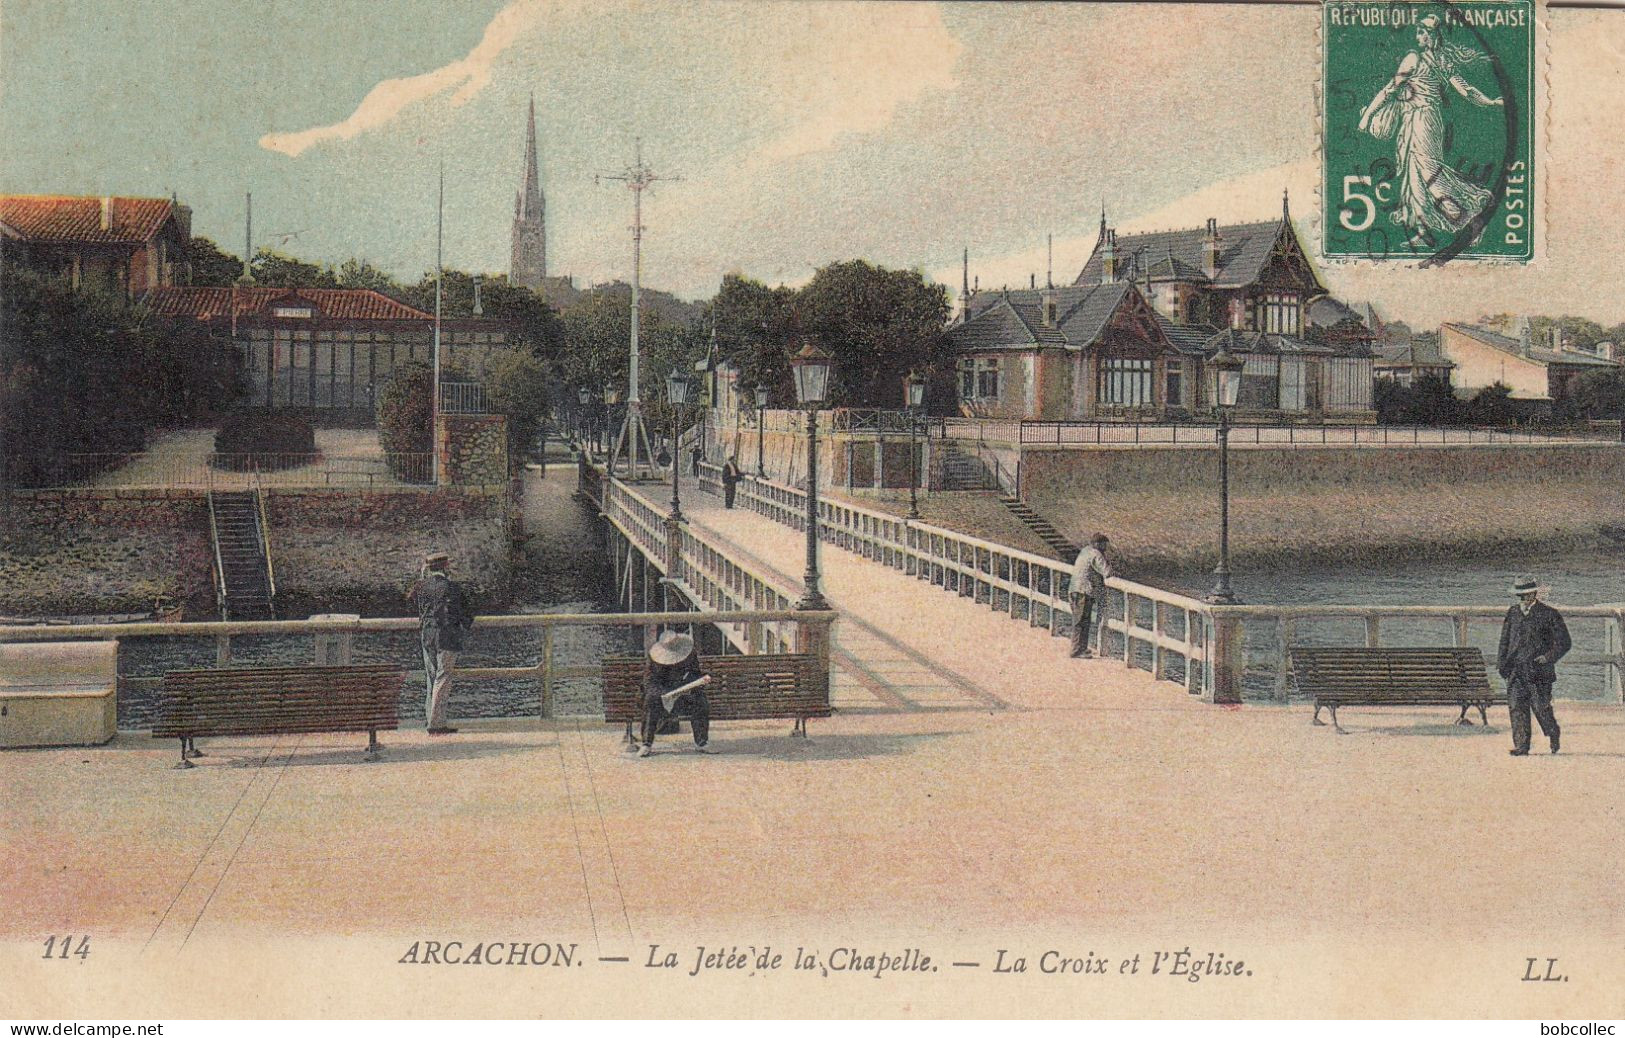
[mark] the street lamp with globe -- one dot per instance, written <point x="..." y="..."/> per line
<point x="1227" y="390"/>
<point x="914" y="396"/>
<point x="811" y="369"/>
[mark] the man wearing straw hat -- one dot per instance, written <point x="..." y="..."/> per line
<point x="673" y="684"/>
<point x="443" y="621"/>
<point x="1533" y="639"/>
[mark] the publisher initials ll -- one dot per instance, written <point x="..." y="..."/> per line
<point x="1551" y="974"/>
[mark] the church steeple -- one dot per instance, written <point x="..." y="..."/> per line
<point x="529" y="263"/>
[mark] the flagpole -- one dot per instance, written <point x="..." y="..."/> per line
<point x="434" y="415"/>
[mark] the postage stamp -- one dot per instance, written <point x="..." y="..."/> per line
<point x="1427" y="130"/>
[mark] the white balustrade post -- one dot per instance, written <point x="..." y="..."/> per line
<point x="1615" y="671"/>
<point x="1285" y="631"/>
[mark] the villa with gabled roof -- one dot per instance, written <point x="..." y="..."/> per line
<point x="1131" y="337"/>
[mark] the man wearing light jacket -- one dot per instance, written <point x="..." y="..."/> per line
<point x="1089" y="575"/>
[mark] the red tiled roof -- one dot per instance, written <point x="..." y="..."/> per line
<point x="345" y="304"/>
<point x="66" y="218"/>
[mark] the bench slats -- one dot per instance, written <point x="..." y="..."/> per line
<point x="279" y="701"/>
<point x="743" y="688"/>
<point x="1345" y="676"/>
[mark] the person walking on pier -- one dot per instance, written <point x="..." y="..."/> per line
<point x="1089" y="575"/>
<point x="674" y="667"/>
<point x="730" y="481"/>
<point x="443" y="622"/>
<point x="1533" y="638"/>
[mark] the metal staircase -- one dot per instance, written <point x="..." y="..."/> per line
<point x="1064" y="549"/>
<point x="244" y="584"/>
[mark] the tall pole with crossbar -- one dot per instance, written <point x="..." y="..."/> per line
<point x="634" y="434"/>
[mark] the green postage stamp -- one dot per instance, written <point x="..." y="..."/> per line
<point x="1427" y="130"/>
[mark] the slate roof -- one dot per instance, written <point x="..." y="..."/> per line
<point x="1244" y="248"/>
<point x="1415" y="353"/>
<point x="1237" y="341"/>
<point x="1534" y="353"/>
<point x="1191" y="339"/>
<point x="66" y="218"/>
<point x="344" y="304"/>
<point x="1015" y="319"/>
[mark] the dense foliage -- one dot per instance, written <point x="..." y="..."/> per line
<point x="405" y="407"/>
<point x="83" y="373"/>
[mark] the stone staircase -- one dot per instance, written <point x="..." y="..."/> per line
<point x="243" y="560"/>
<point x="1064" y="549"/>
<point x="959" y="470"/>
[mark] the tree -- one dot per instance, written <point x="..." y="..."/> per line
<point x="276" y="270"/>
<point x="1493" y="405"/>
<point x="354" y="273"/>
<point x="518" y="385"/>
<point x="83" y="373"/>
<point x="878" y="325"/>
<point x="533" y="324"/>
<point x="405" y="407"/>
<point x="212" y="267"/>
<point x="752" y="322"/>
<point x="1429" y="400"/>
<point x="1600" y="394"/>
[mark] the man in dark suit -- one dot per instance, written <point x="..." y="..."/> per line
<point x="1533" y="638"/>
<point x="443" y="621"/>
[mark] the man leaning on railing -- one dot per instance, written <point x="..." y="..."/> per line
<point x="1089" y="575"/>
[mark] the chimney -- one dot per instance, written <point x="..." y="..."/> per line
<point x="107" y="212"/>
<point x="1050" y="307"/>
<point x="1032" y="280"/>
<point x="1108" y="258"/>
<point x="1557" y="339"/>
<point x="1210" y="249"/>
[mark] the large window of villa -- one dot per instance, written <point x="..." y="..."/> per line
<point x="1277" y="312"/>
<point x="1125" y="381"/>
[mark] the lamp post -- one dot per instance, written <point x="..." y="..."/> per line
<point x="914" y="397"/>
<point x="676" y="396"/>
<point x="1227" y="389"/>
<point x="761" y="436"/>
<point x="811" y="367"/>
<point x="582" y="396"/>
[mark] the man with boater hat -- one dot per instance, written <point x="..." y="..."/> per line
<point x="1533" y="639"/>
<point x="443" y="622"/>
<point x="674" y="665"/>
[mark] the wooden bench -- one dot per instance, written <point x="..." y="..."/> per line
<point x="278" y="701"/>
<point x="1394" y="677"/>
<point x="743" y="688"/>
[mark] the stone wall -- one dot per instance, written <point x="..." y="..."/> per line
<point x="366" y="546"/>
<point x="82" y="552"/>
<point x="1332" y="506"/>
<point x="88" y="552"/>
<point x="473" y="449"/>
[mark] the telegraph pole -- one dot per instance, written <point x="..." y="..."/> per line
<point x="434" y="405"/>
<point x="633" y="433"/>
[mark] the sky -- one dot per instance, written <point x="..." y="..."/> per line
<point x="802" y="133"/>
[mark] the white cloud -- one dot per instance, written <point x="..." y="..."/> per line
<point x="466" y="77"/>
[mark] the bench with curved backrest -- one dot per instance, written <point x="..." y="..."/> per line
<point x="743" y="688"/>
<point x="278" y="701"/>
<point x="1337" y="677"/>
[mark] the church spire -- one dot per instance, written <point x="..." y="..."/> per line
<point x="529" y="265"/>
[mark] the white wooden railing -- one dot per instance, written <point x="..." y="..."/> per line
<point x="1167" y="633"/>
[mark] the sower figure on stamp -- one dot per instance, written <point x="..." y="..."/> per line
<point x="673" y="684"/>
<point x="1533" y="638"/>
<point x="1089" y="575"/>
<point x="443" y="622"/>
<point x="730" y="481"/>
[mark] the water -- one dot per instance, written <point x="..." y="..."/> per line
<point x="1573" y="578"/>
<point x="565" y="570"/>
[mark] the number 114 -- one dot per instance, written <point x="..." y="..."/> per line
<point x="67" y="947"/>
